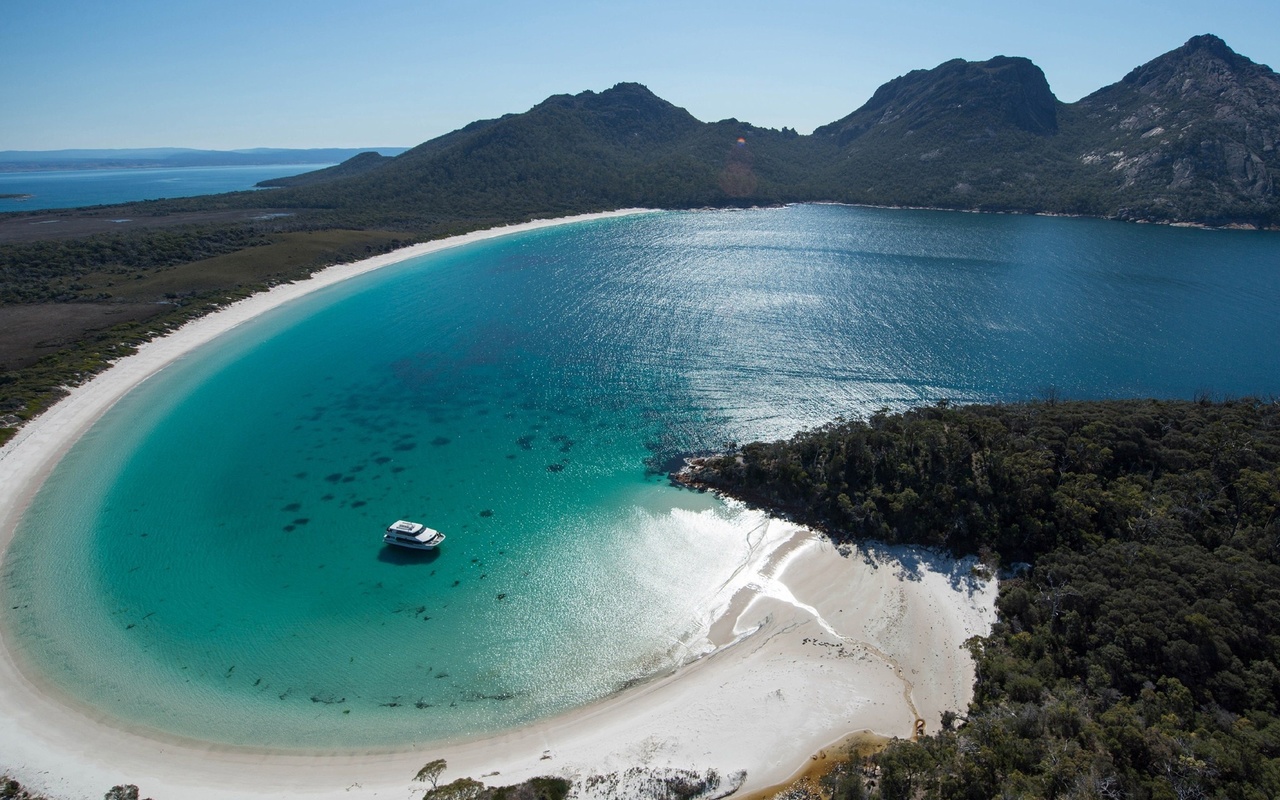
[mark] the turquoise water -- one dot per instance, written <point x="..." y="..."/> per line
<point x="89" y="187"/>
<point x="207" y="560"/>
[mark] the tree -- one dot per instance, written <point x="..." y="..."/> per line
<point x="461" y="789"/>
<point x="431" y="771"/>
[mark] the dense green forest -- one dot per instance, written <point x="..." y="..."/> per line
<point x="1139" y="626"/>
<point x="50" y="270"/>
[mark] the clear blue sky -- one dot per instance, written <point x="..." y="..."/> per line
<point x="323" y="73"/>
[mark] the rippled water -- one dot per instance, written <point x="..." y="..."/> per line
<point x="207" y="561"/>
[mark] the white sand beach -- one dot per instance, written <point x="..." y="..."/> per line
<point x="819" y="645"/>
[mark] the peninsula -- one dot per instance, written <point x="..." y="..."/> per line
<point x="1132" y="656"/>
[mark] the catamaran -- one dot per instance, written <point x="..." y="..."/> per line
<point x="413" y="535"/>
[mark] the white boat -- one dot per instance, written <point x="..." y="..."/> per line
<point x="413" y="535"/>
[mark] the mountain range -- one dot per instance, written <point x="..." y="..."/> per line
<point x="1189" y="137"/>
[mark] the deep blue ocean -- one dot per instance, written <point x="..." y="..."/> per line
<point x="207" y="561"/>
<point x="74" y="188"/>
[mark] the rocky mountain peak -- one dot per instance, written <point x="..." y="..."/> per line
<point x="1194" y="135"/>
<point x="1203" y="68"/>
<point x="626" y="109"/>
<point x="1199" y="121"/>
<point x="978" y="95"/>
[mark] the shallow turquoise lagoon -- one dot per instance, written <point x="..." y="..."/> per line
<point x="207" y="561"/>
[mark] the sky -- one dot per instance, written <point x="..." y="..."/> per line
<point x="226" y="74"/>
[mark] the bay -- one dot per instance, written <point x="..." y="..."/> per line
<point x="74" y="188"/>
<point x="207" y="561"/>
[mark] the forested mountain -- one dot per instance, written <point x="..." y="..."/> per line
<point x="356" y="165"/>
<point x="621" y="147"/>
<point x="1189" y="137"/>
<point x="970" y="98"/>
<point x="961" y="135"/>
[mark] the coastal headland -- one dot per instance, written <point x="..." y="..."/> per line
<point x="822" y="643"/>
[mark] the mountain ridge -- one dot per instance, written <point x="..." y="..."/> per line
<point x="1016" y="93"/>
<point x="1201" y="121"/>
<point x="1189" y="137"/>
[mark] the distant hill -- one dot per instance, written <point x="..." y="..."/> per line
<point x="621" y="147"/>
<point x="33" y="160"/>
<point x="1189" y="137"/>
<point x="357" y="164"/>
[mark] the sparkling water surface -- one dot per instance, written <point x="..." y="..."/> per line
<point x="207" y="561"/>
<point x="89" y="187"/>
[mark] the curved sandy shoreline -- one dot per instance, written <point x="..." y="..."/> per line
<point x="818" y="645"/>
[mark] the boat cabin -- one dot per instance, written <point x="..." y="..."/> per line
<point x="414" y="535"/>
